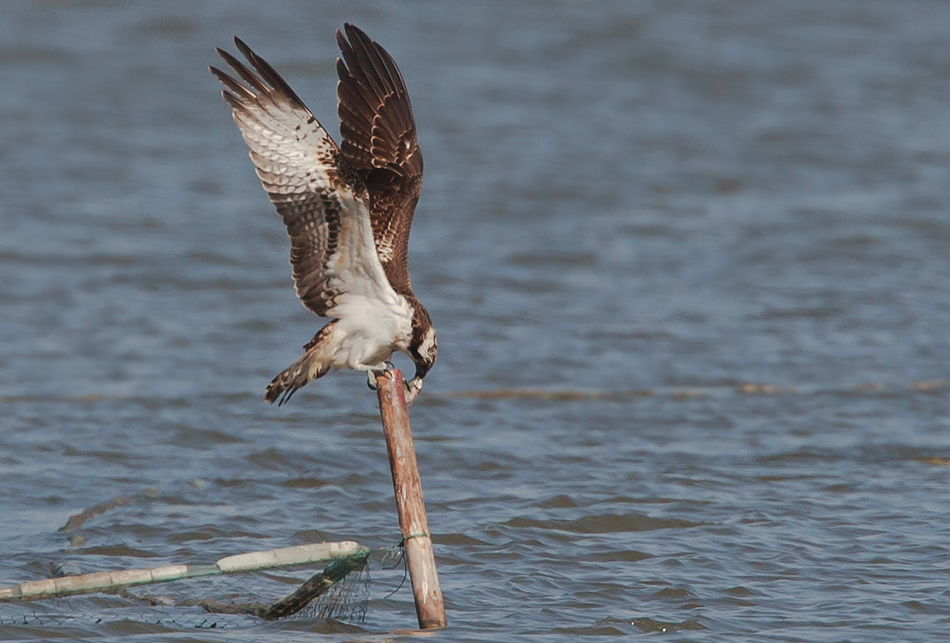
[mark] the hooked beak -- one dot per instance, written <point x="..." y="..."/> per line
<point x="422" y="369"/>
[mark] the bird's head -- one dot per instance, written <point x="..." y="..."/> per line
<point x="423" y="350"/>
<point x="423" y="347"/>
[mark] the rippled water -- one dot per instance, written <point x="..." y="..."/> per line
<point x="690" y="266"/>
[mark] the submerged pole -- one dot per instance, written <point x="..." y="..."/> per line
<point x="412" y="511"/>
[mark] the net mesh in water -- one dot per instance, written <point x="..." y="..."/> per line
<point x="200" y="596"/>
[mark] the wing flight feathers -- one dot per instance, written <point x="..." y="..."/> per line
<point x="379" y="142"/>
<point x="297" y="163"/>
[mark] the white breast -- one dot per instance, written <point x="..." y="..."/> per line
<point x="373" y="318"/>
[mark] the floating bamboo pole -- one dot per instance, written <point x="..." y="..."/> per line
<point x="99" y="581"/>
<point x="412" y="510"/>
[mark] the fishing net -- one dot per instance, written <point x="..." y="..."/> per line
<point x="208" y="596"/>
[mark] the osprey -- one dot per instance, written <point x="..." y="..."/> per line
<point x="347" y="208"/>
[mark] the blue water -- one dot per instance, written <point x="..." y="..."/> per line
<point x="690" y="268"/>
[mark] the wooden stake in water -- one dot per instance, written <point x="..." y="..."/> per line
<point x="412" y="511"/>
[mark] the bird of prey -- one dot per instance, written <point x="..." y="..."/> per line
<point x="347" y="208"/>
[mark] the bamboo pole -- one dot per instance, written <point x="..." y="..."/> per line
<point x="101" y="581"/>
<point x="412" y="511"/>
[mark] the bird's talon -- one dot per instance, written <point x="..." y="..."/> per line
<point x="413" y="388"/>
<point x="387" y="367"/>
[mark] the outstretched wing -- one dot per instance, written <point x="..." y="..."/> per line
<point x="379" y="143"/>
<point x="324" y="209"/>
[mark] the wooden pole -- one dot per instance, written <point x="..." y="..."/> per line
<point x="412" y="511"/>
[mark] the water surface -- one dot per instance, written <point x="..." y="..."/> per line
<point x="690" y="267"/>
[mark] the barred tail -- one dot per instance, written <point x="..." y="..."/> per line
<point x="312" y="365"/>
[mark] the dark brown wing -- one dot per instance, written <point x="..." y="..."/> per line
<point x="326" y="214"/>
<point x="379" y="143"/>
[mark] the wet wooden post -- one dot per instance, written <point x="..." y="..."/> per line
<point x="412" y="511"/>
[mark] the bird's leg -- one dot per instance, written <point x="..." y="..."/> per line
<point x="374" y="372"/>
